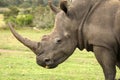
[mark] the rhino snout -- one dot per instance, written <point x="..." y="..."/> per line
<point x="47" y="63"/>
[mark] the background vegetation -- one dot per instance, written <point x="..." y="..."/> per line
<point x="32" y="13"/>
<point x="25" y="3"/>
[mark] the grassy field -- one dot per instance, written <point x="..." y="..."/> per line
<point x="18" y="62"/>
<point x="2" y="23"/>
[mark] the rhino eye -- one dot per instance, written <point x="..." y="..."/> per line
<point x="58" y="41"/>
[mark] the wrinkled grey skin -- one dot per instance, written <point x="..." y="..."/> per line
<point x="93" y="25"/>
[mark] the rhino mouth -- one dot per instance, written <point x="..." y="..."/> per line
<point x="47" y="66"/>
<point x="53" y="65"/>
<point x="56" y="63"/>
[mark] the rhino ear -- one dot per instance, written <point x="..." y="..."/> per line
<point x="63" y="6"/>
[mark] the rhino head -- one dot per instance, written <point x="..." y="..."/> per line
<point x="56" y="47"/>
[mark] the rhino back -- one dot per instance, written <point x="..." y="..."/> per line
<point x="101" y="26"/>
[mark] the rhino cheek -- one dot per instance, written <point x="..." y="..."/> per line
<point x="60" y="58"/>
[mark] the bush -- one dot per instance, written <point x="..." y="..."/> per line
<point x="21" y="20"/>
<point x="13" y="15"/>
<point x="25" y="5"/>
<point x="39" y="17"/>
<point x="24" y="20"/>
<point x="43" y="17"/>
<point x="13" y="11"/>
<point x="11" y="19"/>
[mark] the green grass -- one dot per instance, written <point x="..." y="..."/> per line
<point x="18" y="62"/>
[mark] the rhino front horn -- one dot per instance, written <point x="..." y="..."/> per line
<point x="30" y="44"/>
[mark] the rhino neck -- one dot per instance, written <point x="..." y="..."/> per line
<point x="81" y="15"/>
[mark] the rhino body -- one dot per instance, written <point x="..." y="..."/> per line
<point x="93" y="25"/>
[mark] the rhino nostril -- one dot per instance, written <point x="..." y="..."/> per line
<point x="47" y="60"/>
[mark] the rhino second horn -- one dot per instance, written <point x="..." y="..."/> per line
<point x="30" y="44"/>
<point x="53" y="8"/>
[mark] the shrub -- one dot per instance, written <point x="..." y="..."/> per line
<point x="43" y="17"/>
<point x="11" y="19"/>
<point x="25" y="5"/>
<point x="39" y="17"/>
<point x="13" y="11"/>
<point x="13" y="15"/>
<point x="24" y="20"/>
<point x="21" y="20"/>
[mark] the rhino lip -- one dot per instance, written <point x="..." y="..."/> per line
<point x="51" y="66"/>
<point x="48" y="66"/>
<point x="56" y="63"/>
